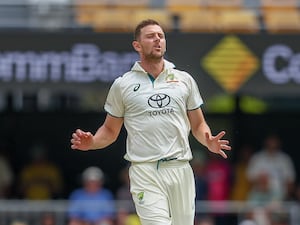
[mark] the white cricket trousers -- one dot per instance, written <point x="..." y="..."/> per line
<point x="163" y="192"/>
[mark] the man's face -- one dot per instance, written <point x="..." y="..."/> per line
<point x="152" y="42"/>
<point x="92" y="186"/>
<point x="272" y="144"/>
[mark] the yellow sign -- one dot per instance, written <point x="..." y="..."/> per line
<point x="230" y="63"/>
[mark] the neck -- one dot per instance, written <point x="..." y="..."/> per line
<point x="153" y="67"/>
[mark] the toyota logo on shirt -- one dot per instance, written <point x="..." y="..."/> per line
<point x="159" y="101"/>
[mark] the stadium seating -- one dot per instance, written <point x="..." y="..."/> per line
<point x="132" y="4"/>
<point x="282" y="20"/>
<point x="197" y="21"/>
<point x="278" y="4"/>
<point x="280" y="16"/>
<point x="179" y="5"/>
<point x="191" y="15"/>
<point x="238" y="20"/>
<point x="85" y="10"/>
<point x="164" y="17"/>
<point x="221" y="4"/>
<point x="112" y="20"/>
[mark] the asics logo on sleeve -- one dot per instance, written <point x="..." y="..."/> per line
<point x="136" y="87"/>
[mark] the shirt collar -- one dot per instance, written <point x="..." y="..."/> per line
<point x="137" y="66"/>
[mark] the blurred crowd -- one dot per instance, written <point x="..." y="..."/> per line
<point x="263" y="179"/>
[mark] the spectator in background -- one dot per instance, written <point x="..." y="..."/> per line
<point x="91" y="204"/>
<point x="125" y="218"/>
<point x="198" y="164"/>
<point x="272" y="175"/>
<point x="272" y="167"/>
<point x="295" y="206"/>
<point x="241" y="183"/>
<point x="40" y="179"/>
<point x="206" y="221"/>
<point x="218" y="173"/>
<point x="247" y="222"/>
<point x="48" y="218"/>
<point x="261" y="194"/>
<point x="6" y="172"/>
<point x="280" y="216"/>
<point x="123" y="192"/>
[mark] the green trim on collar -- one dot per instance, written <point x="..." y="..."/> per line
<point x="151" y="77"/>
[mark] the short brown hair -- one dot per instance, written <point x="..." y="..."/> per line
<point x="143" y="24"/>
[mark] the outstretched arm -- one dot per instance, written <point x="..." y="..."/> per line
<point x="105" y="135"/>
<point x="202" y="133"/>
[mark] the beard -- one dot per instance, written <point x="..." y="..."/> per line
<point x="154" y="56"/>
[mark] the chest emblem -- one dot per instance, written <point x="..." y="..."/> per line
<point x="159" y="100"/>
<point x="171" y="78"/>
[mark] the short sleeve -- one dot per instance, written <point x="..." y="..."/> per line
<point x="194" y="100"/>
<point x="114" y="102"/>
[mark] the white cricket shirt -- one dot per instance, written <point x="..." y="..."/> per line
<point x="155" y="112"/>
